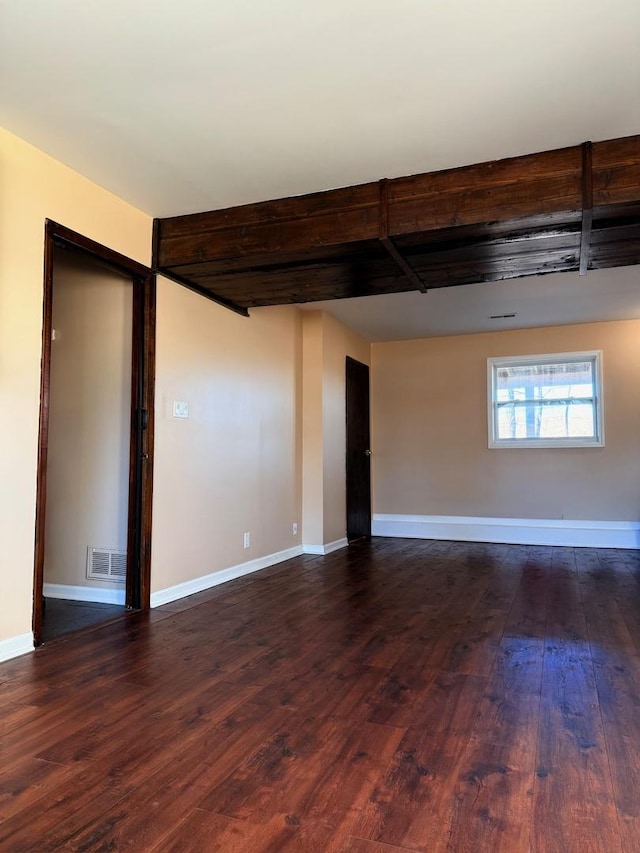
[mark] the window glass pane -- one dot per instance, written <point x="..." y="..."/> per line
<point x="545" y="400"/>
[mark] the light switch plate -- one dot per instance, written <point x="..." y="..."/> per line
<point x="180" y="409"/>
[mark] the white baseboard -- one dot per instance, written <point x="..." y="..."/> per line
<point x="513" y="531"/>
<point x="329" y="548"/>
<point x="181" y="590"/>
<point x="84" y="593"/>
<point x="15" y="646"/>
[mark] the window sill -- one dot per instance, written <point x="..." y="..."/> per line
<point x="541" y="444"/>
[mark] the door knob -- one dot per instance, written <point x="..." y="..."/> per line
<point x="367" y="453"/>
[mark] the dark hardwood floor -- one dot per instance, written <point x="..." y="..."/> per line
<point x="396" y="695"/>
<point x="61" y="616"/>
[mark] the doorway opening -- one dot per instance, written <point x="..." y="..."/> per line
<point x="358" y="451"/>
<point x="95" y="463"/>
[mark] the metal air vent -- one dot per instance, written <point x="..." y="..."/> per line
<point x="106" y="564"/>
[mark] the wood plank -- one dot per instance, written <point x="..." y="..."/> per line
<point x="490" y="806"/>
<point x="508" y="713"/>
<point x="518" y="200"/>
<point x="360" y="196"/>
<point x="616" y="171"/>
<point x="587" y="206"/>
<point x="573" y="796"/>
<point x="528" y="616"/>
<point x="201" y="830"/>
<point x="351" y="253"/>
<point x="30" y="780"/>
<point x="360" y="845"/>
<point x="329" y="218"/>
<point x="404" y="265"/>
<point x="288" y="774"/>
<point x="619" y="696"/>
<point x="505" y="260"/>
<point x="518" y="244"/>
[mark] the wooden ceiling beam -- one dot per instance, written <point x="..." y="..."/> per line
<point x="587" y="207"/>
<point x="404" y="265"/>
<point x="388" y="243"/>
<point x="342" y="237"/>
<point x="302" y="223"/>
<point x="502" y="190"/>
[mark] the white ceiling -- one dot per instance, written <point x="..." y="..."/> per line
<point x="187" y="105"/>
<point x="548" y="300"/>
<point x="202" y="104"/>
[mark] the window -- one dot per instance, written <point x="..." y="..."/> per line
<point x="546" y="401"/>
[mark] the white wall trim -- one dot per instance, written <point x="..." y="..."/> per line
<point x="329" y="548"/>
<point x="84" y="593"/>
<point x="515" y="531"/>
<point x="15" y="646"/>
<point x="181" y="590"/>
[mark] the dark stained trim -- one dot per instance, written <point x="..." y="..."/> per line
<point x="67" y="238"/>
<point x="146" y="512"/>
<point x="410" y="273"/>
<point x="383" y="209"/>
<point x="155" y="242"/>
<point x="43" y="437"/>
<point x="388" y="243"/>
<point x="358" y="450"/>
<point x="138" y="591"/>
<point x="143" y="378"/>
<point x="587" y="206"/>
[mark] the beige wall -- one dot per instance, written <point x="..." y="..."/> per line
<point x="235" y="464"/>
<point x="34" y="187"/>
<point x="89" y="417"/>
<point x="312" y="430"/>
<point x="429" y="418"/>
<point x="327" y="343"/>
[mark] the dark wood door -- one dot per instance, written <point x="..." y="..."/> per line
<point x="138" y="587"/>
<point x="358" y="451"/>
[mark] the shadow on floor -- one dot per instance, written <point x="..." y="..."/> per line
<point x="62" y="616"/>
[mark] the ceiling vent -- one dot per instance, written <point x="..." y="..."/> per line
<point x="107" y="564"/>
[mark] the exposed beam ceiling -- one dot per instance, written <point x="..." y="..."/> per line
<point x="203" y="106"/>
<point x="574" y="208"/>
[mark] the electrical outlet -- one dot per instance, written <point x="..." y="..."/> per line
<point x="294" y="528"/>
<point x="246" y="540"/>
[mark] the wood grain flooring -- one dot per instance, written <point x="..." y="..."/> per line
<point x="61" y="616"/>
<point x="397" y="695"/>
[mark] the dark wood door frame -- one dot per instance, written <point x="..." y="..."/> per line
<point x="358" y="462"/>
<point x="138" y="585"/>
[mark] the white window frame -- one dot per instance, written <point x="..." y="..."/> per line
<point x="493" y="364"/>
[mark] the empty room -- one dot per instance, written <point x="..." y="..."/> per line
<point x="320" y="418"/>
